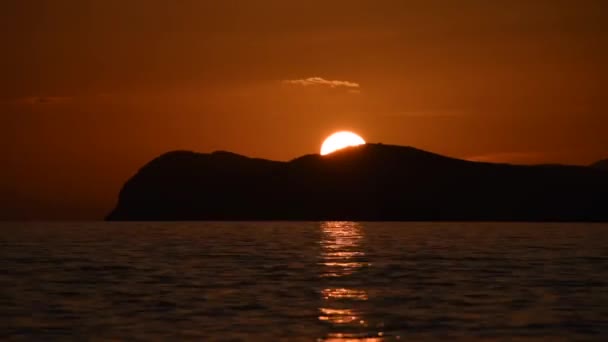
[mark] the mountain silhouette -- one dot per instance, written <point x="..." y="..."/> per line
<point x="368" y="182"/>
<point x="602" y="164"/>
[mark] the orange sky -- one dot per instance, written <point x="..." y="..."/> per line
<point x="91" y="90"/>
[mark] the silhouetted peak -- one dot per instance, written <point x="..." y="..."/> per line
<point x="367" y="151"/>
<point x="308" y="158"/>
<point x="178" y="154"/>
<point x="381" y="153"/>
<point x="172" y="157"/>
<point x="186" y="159"/>
<point x="228" y="155"/>
<point x="376" y="154"/>
<point x="602" y="164"/>
<point x="371" y="181"/>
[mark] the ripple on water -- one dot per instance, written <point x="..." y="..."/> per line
<point x="329" y="281"/>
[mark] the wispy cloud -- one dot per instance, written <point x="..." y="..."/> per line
<point x="353" y="87"/>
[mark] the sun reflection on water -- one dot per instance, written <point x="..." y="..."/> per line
<point x="338" y="316"/>
<point x="341" y="248"/>
<point x="348" y="338"/>
<point x="344" y="293"/>
<point x="342" y="257"/>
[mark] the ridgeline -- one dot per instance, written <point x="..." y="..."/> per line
<point x="372" y="182"/>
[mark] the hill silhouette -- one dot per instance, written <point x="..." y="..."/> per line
<point x="602" y="164"/>
<point x="367" y="182"/>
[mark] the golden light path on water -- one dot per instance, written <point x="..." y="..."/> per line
<point x="342" y="256"/>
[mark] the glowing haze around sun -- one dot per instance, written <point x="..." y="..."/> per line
<point x="339" y="141"/>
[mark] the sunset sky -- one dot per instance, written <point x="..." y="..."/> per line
<point x="90" y="90"/>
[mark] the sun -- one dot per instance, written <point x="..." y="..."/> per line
<point x="339" y="141"/>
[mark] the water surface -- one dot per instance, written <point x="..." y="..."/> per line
<point x="330" y="281"/>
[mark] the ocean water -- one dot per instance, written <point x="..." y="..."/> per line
<point x="281" y="281"/>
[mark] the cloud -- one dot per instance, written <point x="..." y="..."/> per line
<point x="319" y="81"/>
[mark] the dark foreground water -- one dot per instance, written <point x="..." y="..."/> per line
<point x="331" y="281"/>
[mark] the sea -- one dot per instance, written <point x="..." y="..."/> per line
<point x="303" y="281"/>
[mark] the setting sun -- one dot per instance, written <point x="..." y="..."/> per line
<point x="339" y="141"/>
